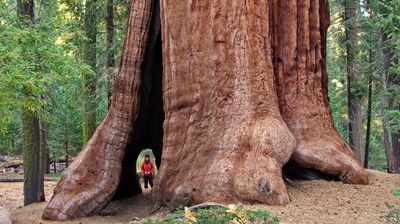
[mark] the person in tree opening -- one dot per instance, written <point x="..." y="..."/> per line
<point x="147" y="171"/>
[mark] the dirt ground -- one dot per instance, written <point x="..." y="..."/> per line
<point x="311" y="202"/>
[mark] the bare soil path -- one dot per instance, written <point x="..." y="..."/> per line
<point x="311" y="202"/>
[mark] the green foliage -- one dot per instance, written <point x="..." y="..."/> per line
<point x="46" y="60"/>
<point x="393" y="215"/>
<point x="56" y="176"/>
<point x="35" y="65"/>
<point x="375" y="18"/>
<point x="396" y="192"/>
<point x="218" y="215"/>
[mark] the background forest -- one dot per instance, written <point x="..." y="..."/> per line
<point x="57" y="69"/>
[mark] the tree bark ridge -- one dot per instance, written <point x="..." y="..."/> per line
<point x="91" y="180"/>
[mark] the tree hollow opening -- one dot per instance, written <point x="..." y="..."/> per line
<point x="148" y="127"/>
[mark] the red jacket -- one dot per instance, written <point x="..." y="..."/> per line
<point x="147" y="168"/>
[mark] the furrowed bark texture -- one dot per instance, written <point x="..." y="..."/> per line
<point x="302" y="83"/>
<point x="91" y="180"/>
<point x="244" y="89"/>
<point x="224" y="138"/>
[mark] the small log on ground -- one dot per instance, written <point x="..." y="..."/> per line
<point x="11" y="180"/>
<point x="13" y="163"/>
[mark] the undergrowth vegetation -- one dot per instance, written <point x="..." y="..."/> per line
<point x="232" y="214"/>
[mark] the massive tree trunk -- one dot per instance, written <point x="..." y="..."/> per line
<point x="302" y="83"/>
<point x="221" y="109"/>
<point x="244" y="88"/>
<point x="91" y="180"/>
<point x="353" y="70"/>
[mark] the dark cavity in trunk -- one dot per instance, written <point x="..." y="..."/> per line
<point x="148" y="130"/>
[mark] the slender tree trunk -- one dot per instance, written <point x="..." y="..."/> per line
<point x="368" y="133"/>
<point x="90" y="78"/>
<point x="55" y="163"/>
<point x="353" y="95"/>
<point x="369" y="109"/>
<point x="394" y="105"/>
<point x="47" y="162"/>
<point x="66" y="155"/>
<point x="110" y="48"/>
<point x="33" y="191"/>
<point x="26" y="11"/>
<point x="42" y="159"/>
<point x="31" y="134"/>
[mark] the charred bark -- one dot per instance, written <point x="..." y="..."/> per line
<point x="243" y="86"/>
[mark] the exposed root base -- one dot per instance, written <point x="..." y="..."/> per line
<point x="249" y="171"/>
<point x="333" y="157"/>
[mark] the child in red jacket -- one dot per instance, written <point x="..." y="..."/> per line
<point x="147" y="171"/>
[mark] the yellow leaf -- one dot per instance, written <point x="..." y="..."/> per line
<point x="231" y="208"/>
<point x="190" y="215"/>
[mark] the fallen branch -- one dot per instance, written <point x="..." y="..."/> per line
<point x="11" y="180"/>
<point x="206" y="205"/>
<point x="13" y="163"/>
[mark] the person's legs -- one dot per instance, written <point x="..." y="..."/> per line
<point x="146" y="181"/>
<point x="151" y="181"/>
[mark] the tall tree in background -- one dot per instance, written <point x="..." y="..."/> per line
<point x="110" y="47"/>
<point x="389" y="22"/>
<point x="369" y="111"/>
<point x="369" y="100"/>
<point x="90" y="78"/>
<point x="353" y="94"/>
<point x="390" y="139"/>
<point x="31" y="132"/>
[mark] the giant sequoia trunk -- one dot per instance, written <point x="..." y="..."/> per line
<point x="244" y="88"/>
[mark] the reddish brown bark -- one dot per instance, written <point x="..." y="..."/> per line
<point x="91" y="180"/>
<point x="302" y="83"/>
<point x="244" y="89"/>
<point x="224" y="137"/>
